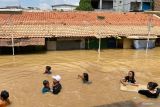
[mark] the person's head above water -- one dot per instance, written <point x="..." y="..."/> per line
<point x="131" y="74"/>
<point x="56" y="78"/>
<point x="46" y="83"/>
<point x="85" y="76"/>
<point x="48" y="68"/>
<point x="4" y="95"/>
<point x="152" y="85"/>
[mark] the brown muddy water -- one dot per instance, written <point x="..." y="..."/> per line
<point x="22" y="76"/>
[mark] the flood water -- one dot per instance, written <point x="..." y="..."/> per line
<point x="22" y="76"/>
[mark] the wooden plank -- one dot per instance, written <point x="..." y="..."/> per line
<point x="132" y="88"/>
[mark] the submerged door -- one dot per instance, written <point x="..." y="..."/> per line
<point x="111" y="43"/>
<point x="93" y="43"/>
<point x="68" y="44"/>
<point x="105" y="43"/>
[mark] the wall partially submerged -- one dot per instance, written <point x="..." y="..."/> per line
<point x="22" y="42"/>
<point x="142" y="44"/>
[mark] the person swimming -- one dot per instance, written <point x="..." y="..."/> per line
<point x="48" y="70"/>
<point x="152" y="91"/>
<point x="4" y="101"/>
<point x="130" y="79"/>
<point x="85" y="78"/>
<point x="46" y="87"/>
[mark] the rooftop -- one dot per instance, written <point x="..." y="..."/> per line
<point x="80" y="18"/>
<point x="57" y="24"/>
<point x="56" y="5"/>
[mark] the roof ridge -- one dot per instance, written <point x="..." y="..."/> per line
<point x="156" y="16"/>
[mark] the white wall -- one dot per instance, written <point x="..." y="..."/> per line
<point x="124" y="5"/>
<point x="65" y="8"/>
<point x="118" y="5"/>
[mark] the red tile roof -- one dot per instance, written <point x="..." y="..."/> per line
<point x="79" y="18"/>
<point x="41" y="24"/>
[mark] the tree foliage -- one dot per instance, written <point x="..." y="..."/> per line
<point x="85" y="5"/>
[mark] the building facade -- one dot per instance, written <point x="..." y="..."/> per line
<point x="157" y="5"/>
<point x="123" y="5"/>
<point x="64" y="7"/>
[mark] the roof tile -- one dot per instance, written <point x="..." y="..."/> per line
<point x="30" y="24"/>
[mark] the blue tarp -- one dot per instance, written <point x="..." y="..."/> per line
<point x="146" y="6"/>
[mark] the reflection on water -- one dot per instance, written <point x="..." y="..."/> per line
<point x="22" y="76"/>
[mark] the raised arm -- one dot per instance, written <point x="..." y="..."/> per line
<point x="80" y="76"/>
<point x="123" y="81"/>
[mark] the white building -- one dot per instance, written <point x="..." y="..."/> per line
<point x="64" y="7"/>
<point x="122" y="5"/>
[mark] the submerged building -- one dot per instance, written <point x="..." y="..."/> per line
<point x="78" y="30"/>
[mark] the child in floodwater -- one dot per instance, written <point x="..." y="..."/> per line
<point x="85" y="78"/>
<point x="4" y="101"/>
<point x="152" y="91"/>
<point x="48" y="70"/>
<point x="129" y="79"/>
<point x="46" y="87"/>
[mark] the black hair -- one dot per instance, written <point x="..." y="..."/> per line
<point x="4" y="95"/>
<point x="48" y="68"/>
<point x="45" y="82"/>
<point x="86" y="77"/>
<point x="152" y="85"/>
<point x="133" y="74"/>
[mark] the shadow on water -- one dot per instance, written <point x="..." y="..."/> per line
<point x="23" y="50"/>
<point x="130" y="104"/>
<point x="120" y="104"/>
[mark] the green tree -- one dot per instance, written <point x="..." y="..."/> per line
<point x="85" y="5"/>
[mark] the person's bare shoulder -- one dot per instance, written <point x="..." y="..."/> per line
<point x="2" y="103"/>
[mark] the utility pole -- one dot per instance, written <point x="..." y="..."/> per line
<point x="100" y="4"/>
<point x="102" y="19"/>
<point x="149" y="31"/>
<point x="11" y="25"/>
<point x="11" y="30"/>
